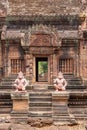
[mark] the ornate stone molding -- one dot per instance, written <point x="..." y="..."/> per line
<point x="44" y="29"/>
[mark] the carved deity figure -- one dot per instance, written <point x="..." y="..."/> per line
<point x="20" y="83"/>
<point x="60" y="83"/>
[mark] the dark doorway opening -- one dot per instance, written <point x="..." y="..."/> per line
<point x="41" y="69"/>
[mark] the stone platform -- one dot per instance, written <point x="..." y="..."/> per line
<point x="61" y="107"/>
<point x="20" y="106"/>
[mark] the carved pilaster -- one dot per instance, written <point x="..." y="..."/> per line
<point x="6" y="60"/>
<point x="0" y="60"/>
<point x="55" y="65"/>
<point x="0" y="55"/>
<point x="51" y="69"/>
<point x="27" y="64"/>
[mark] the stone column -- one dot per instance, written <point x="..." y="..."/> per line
<point x="51" y="69"/>
<point x="20" y="106"/>
<point x="55" y="65"/>
<point x="6" y="60"/>
<point x="60" y="108"/>
<point x="27" y="63"/>
<point x="0" y="61"/>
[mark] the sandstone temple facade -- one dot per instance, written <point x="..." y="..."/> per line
<point x="49" y="31"/>
<point x="41" y="38"/>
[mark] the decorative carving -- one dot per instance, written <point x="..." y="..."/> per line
<point x="40" y="40"/>
<point x="60" y="83"/>
<point x="20" y="83"/>
<point x="14" y="52"/>
<point x="41" y="50"/>
<point x="46" y="31"/>
<point x="3" y="34"/>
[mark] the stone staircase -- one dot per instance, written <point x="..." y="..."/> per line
<point x="40" y="104"/>
<point x="40" y="100"/>
<point x="75" y="83"/>
<point x="78" y="104"/>
<point x="5" y="103"/>
<point x="7" y="83"/>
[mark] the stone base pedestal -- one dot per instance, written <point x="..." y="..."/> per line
<point x="20" y="106"/>
<point x="60" y="108"/>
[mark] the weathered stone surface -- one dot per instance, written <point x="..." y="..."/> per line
<point x="3" y="8"/>
<point x="52" y="127"/>
<point x="20" y="101"/>
<point x="46" y="7"/>
<point x="39" y="122"/>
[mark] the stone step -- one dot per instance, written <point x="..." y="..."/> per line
<point x="62" y="120"/>
<point x="40" y="94"/>
<point x="5" y="110"/>
<point x="17" y="119"/>
<point x="5" y="103"/>
<point x="60" y="112"/>
<point x="7" y="80"/>
<point x="80" y="116"/>
<point x="19" y="116"/>
<point x="20" y="113"/>
<point x="6" y="87"/>
<point x="4" y="99"/>
<point x="42" y="104"/>
<point x="6" y="84"/>
<point x="40" y="116"/>
<point x="40" y="99"/>
<point x="10" y="87"/>
<point x="40" y="113"/>
<point x="74" y="83"/>
<point x="75" y="102"/>
<point x="40" y="108"/>
<point x="69" y="87"/>
<point x="75" y="87"/>
<point x="58" y="117"/>
<point x="77" y="99"/>
<point x="8" y="106"/>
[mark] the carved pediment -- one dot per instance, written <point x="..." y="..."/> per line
<point x="42" y="35"/>
<point x="40" y="40"/>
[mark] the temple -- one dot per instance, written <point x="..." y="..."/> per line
<point x="56" y="36"/>
<point x="41" y="38"/>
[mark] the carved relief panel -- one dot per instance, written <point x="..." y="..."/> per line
<point x="40" y="40"/>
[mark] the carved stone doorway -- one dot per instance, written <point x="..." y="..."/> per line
<point x="41" y="69"/>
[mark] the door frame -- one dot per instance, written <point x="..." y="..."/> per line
<point x="39" y="59"/>
<point x="34" y="68"/>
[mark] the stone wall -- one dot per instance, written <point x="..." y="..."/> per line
<point x="83" y="59"/>
<point x="46" y="7"/>
<point x="3" y="8"/>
